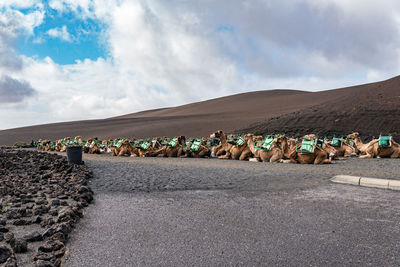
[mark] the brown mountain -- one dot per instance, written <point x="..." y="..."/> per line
<point x="370" y="109"/>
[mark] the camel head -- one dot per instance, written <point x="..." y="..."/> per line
<point x="353" y="135"/>
<point x="217" y="134"/>
<point x="126" y="142"/>
<point x="248" y="136"/>
<point x="309" y="136"/>
<point x="181" y="140"/>
<point x="78" y="137"/>
<point x="258" y="138"/>
<point x="281" y="138"/>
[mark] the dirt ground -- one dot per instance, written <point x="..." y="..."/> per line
<point x="208" y="212"/>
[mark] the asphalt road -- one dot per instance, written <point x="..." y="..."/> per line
<point x="196" y="212"/>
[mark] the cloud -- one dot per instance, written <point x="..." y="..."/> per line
<point x="12" y="23"/>
<point x="166" y="53"/>
<point x="61" y="33"/>
<point x="14" y="91"/>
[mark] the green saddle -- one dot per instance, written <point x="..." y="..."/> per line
<point x="173" y="142"/>
<point x="235" y="140"/>
<point x="145" y="145"/>
<point x="187" y="145"/>
<point x="336" y="142"/>
<point x="213" y="142"/>
<point x="307" y="146"/>
<point x="166" y="141"/>
<point x="266" y="144"/>
<point x="385" y="141"/>
<point x="196" y="144"/>
<point x="119" y="143"/>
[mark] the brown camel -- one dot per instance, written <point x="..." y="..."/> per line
<point x="308" y="152"/>
<point x="386" y="147"/>
<point x="94" y="146"/>
<point x="367" y="150"/>
<point x="339" y="148"/>
<point x="149" y="146"/>
<point x="122" y="148"/>
<point x="232" y="151"/>
<point x="265" y="150"/>
<point x="170" y="148"/>
<point x="195" y="148"/>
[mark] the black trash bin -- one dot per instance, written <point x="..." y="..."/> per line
<point x="74" y="154"/>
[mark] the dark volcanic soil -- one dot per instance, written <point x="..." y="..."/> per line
<point x="370" y="109"/>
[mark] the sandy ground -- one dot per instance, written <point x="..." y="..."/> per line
<point x="196" y="212"/>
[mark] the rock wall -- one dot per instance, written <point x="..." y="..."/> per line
<point x="42" y="197"/>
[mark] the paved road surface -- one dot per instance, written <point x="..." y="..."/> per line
<point x="195" y="212"/>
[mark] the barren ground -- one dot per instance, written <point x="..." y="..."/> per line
<point x="198" y="212"/>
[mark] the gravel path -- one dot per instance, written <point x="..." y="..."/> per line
<point x="197" y="212"/>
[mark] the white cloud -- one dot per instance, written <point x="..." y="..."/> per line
<point x="18" y="3"/>
<point x="61" y="33"/>
<point x="164" y="54"/>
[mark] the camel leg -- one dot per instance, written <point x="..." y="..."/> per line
<point x="226" y="156"/>
<point x="245" y="156"/>
<point x="395" y="155"/>
<point x="322" y="160"/>
<point x="275" y="158"/>
<point x="366" y="156"/>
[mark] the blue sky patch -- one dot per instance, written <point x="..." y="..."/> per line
<point x="84" y="38"/>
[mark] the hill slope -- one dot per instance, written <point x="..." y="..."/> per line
<point x="370" y="109"/>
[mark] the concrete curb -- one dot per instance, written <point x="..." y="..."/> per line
<point x="366" y="181"/>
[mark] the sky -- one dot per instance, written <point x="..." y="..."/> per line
<point x="64" y="60"/>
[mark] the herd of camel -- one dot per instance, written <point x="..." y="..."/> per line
<point x="279" y="148"/>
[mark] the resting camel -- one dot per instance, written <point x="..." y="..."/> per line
<point x="273" y="153"/>
<point x="317" y="156"/>
<point x="171" y="148"/>
<point x="375" y="150"/>
<point x="64" y="142"/>
<point x="389" y="152"/>
<point x="93" y="147"/>
<point x="343" y="150"/>
<point x="149" y="146"/>
<point x="366" y="150"/>
<point x="123" y="148"/>
<point x="231" y="151"/>
<point x="195" y="148"/>
<point x="202" y="151"/>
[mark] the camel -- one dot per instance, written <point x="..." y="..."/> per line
<point x="237" y="151"/>
<point x="308" y="152"/>
<point x="214" y="144"/>
<point x="195" y="148"/>
<point x="199" y="148"/>
<point x="42" y="144"/>
<point x="122" y="148"/>
<point x="339" y="148"/>
<point x="267" y="150"/>
<point x="92" y="146"/>
<point x="366" y="150"/>
<point x="170" y="148"/>
<point x="149" y="146"/>
<point x="64" y="143"/>
<point x="386" y="147"/>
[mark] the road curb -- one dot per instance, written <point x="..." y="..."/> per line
<point x="367" y="182"/>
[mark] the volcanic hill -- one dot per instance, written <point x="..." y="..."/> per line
<point x="370" y="109"/>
